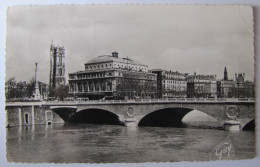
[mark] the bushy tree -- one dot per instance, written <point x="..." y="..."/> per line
<point x="30" y="88"/>
<point x="61" y="92"/>
<point x="10" y="88"/>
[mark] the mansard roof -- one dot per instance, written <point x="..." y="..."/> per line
<point x="108" y="58"/>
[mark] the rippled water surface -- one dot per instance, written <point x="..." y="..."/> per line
<point x="86" y="143"/>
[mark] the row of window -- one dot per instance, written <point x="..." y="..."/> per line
<point x="174" y="82"/>
<point x="115" y="65"/>
<point x="91" y="87"/>
<point x="107" y="74"/>
<point x="174" y="87"/>
<point x="88" y="76"/>
<point x="98" y="66"/>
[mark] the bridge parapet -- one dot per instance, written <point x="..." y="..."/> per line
<point x="177" y="100"/>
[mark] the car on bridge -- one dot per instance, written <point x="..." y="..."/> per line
<point x="69" y="99"/>
<point x="108" y="98"/>
<point x="82" y="99"/>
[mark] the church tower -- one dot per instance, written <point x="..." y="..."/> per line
<point x="225" y="74"/>
<point x="57" y="66"/>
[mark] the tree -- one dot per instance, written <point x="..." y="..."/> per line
<point x="61" y="92"/>
<point x="30" y="88"/>
<point x="10" y="88"/>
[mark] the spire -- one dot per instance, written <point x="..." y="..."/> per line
<point x="225" y="74"/>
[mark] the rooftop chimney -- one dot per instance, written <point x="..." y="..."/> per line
<point x="115" y="54"/>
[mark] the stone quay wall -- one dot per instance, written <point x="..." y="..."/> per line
<point x="30" y="114"/>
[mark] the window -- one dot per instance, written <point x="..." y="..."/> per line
<point x="26" y="118"/>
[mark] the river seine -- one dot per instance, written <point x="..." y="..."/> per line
<point x="88" y="143"/>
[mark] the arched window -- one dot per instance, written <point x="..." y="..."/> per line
<point x="109" y="86"/>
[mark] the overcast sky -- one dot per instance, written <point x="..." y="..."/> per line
<point x="188" y="39"/>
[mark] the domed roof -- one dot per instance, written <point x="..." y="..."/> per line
<point x="108" y="58"/>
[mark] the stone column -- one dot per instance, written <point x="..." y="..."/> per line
<point x="83" y="87"/>
<point x="87" y="86"/>
<point x="76" y="87"/>
<point x="99" y="87"/>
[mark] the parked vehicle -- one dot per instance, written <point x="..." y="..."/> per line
<point x="82" y="99"/>
<point x="108" y="98"/>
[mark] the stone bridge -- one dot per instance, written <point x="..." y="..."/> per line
<point x="153" y="112"/>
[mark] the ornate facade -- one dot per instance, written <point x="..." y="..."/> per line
<point x="57" y="66"/>
<point x="170" y="83"/>
<point x="120" y="78"/>
<point x="201" y="86"/>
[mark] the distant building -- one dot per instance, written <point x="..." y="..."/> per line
<point x="170" y="83"/>
<point x="201" y="86"/>
<point x="237" y="88"/>
<point x="243" y="88"/>
<point x="225" y="87"/>
<point x="111" y="76"/>
<point x="57" y="66"/>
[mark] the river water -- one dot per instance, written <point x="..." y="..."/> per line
<point x="88" y="143"/>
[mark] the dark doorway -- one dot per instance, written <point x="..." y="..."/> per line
<point x="26" y="118"/>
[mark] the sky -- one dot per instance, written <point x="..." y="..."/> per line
<point x="192" y="38"/>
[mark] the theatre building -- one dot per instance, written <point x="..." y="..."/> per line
<point x="111" y="76"/>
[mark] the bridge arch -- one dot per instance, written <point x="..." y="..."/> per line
<point x="95" y="116"/>
<point x="165" y="117"/>
<point x="249" y="125"/>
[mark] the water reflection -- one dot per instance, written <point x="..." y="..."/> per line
<point x="89" y="143"/>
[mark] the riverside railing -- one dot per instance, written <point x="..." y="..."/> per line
<point x="156" y="100"/>
<point x="206" y="100"/>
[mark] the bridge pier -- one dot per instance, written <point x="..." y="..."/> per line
<point x="232" y="125"/>
<point x="130" y="122"/>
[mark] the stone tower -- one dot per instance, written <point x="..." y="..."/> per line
<point x="57" y="66"/>
<point x="225" y="74"/>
